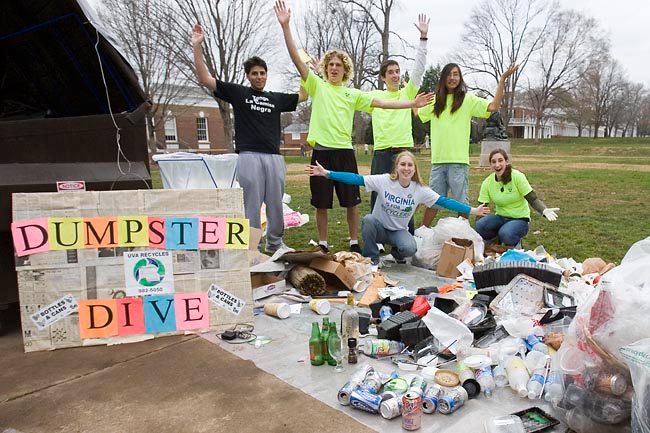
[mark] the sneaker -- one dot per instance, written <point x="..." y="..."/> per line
<point x="324" y="249"/>
<point x="381" y="249"/>
<point x="374" y="261"/>
<point x="400" y="261"/>
<point x="271" y="249"/>
<point x="355" y="248"/>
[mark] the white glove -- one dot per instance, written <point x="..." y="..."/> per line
<point x="549" y="213"/>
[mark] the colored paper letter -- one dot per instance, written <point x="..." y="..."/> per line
<point x="182" y="233"/>
<point x="130" y="316"/>
<point x="156" y="232"/>
<point x="97" y="318"/>
<point x="30" y="236"/>
<point x="237" y="231"/>
<point x="133" y="231"/>
<point x="100" y="232"/>
<point x="66" y="233"/>
<point x="159" y="314"/>
<point x="192" y="311"/>
<point x="212" y="233"/>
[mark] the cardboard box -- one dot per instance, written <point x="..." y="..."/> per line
<point x="265" y="285"/>
<point x="334" y="273"/>
<point x="453" y="253"/>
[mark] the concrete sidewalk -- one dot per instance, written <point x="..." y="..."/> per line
<point x="172" y="384"/>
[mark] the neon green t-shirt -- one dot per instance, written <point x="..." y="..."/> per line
<point x="450" y="132"/>
<point x="332" y="112"/>
<point x="508" y="199"/>
<point x="393" y="128"/>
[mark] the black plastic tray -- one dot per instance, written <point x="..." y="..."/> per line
<point x="535" y="419"/>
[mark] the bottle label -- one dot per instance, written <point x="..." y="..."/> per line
<point x="537" y="378"/>
<point x="483" y="372"/>
<point x="531" y="341"/>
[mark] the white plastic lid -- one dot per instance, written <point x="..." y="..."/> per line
<point x="477" y="361"/>
<point x="429" y="374"/>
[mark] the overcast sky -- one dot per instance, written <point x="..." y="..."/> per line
<point x="625" y="21"/>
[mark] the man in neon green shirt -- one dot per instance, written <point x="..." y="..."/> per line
<point x="450" y="116"/>
<point x="330" y="127"/>
<point x="392" y="129"/>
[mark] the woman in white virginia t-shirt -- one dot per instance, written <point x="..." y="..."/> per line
<point x="398" y="195"/>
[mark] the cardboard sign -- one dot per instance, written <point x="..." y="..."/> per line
<point x="54" y="312"/>
<point x="225" y="300"/>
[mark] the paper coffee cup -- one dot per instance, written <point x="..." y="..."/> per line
<point x="279" y="310"/>
<point x="320" y="306"/>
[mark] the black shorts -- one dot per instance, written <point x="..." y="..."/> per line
<point x="322" y="188"/>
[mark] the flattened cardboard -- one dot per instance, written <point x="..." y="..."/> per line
<point x="334" y="273"/>
<point x="453" y="253"/>
<point x="265" y="285"/>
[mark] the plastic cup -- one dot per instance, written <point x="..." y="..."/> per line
<point x="280" y="310"/>
<point x="320" y="306"/>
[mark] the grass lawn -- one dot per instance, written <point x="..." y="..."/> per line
<point x="600" y="185"/>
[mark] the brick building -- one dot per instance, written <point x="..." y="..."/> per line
<point x="294" y="139"/>
<point x="193" y="124"/>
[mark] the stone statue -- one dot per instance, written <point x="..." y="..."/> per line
<point x="494" y="129"/>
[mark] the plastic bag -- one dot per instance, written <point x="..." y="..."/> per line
<point x="597" y="378"/>
<point x="431" y="240"/>
<point x="450" y="332"/>
<point x="637" y="356"/>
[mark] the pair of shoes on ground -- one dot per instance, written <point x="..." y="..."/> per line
<point x="354" y="248"/>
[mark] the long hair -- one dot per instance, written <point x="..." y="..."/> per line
<point x="348" y="69"/>
<point x="441" y="90"/>
<point x="416" y="172"/>
<point x="507" y="173"/>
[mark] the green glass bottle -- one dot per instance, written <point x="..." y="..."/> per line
<point x="324" y="336"/>
<point x="315" y="352"/>
<point x="333" y="335"/>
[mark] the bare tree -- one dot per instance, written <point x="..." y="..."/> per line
<point x="562" y="53"/>
<point x="235" y="30"/>
<point x="378" y="13"/>
<point x="632" y="106"/>
<point x="502" y="32"/>
<point x="643" y="120"/>
<point x="141" y="27"/>
<point x="601" y="81"/>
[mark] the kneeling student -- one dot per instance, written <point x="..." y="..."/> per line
<point x="398" y="195"/>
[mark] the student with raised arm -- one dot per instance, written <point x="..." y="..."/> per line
<point x="392" y="130"/>
<point x="398" y="195"/>
<point x="260" y="166"/>
<point x="450" y="116"/>
<point x="330" y="127"/>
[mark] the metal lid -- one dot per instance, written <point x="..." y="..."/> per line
<point x="618" y="384"/>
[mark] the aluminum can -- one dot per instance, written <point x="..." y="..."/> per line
<point x="354" y="382"/>
<point x="452" y="400"/>
<point x="418" y="384"/>
<point x="430" y="398"/>
<point x="372" y="382"/>
<point x="411" y="411"/>
<point x="363" y="400"/>
<point x="391" y="408"/>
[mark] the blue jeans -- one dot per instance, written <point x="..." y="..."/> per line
<point x="373" y="232"/>
<point x="509" y="231"/>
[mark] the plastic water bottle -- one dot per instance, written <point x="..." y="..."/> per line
<point x="535" y="384"/>
<point x="533" y="342"/>
<point x="554" y="389"/>
<point x="381" y="348"/>
<point x="500" y="376"/>
<point x="517" y="375"/>
<point x="485" y="378"/>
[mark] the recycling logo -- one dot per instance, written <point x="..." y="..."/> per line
<point x="149" y="272"/>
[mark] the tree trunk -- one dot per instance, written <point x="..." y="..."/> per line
<point x="228" y="126"/>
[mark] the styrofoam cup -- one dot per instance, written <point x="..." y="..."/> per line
<point x="280" y="310"/>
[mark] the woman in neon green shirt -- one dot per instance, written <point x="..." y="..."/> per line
<point x="511" y="194"/>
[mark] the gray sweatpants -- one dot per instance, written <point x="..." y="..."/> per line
<point x="261" y="176"/>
